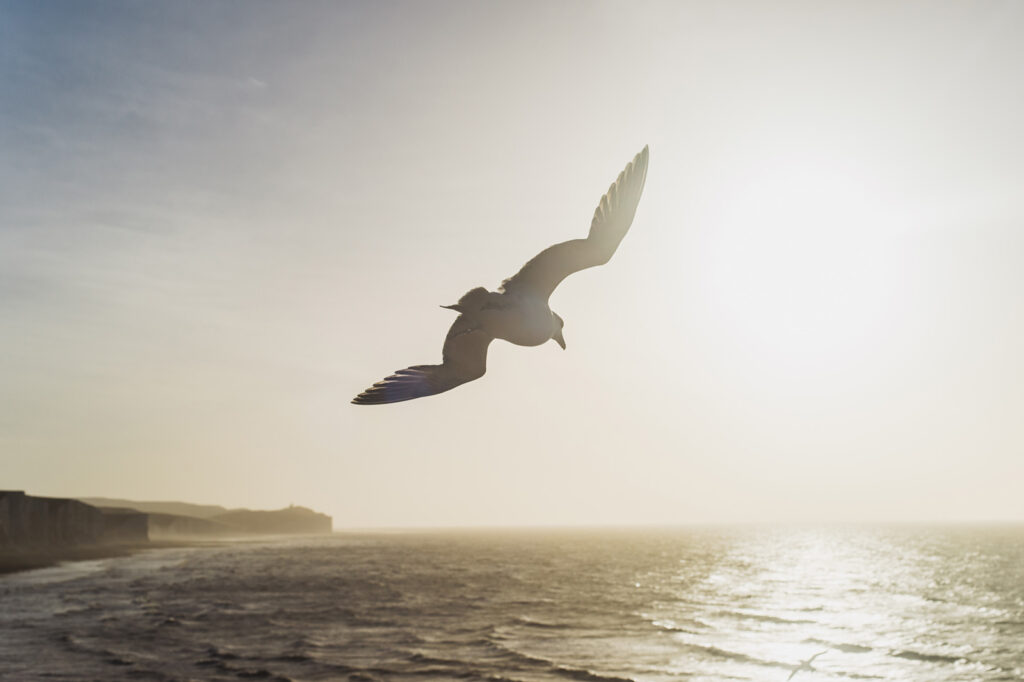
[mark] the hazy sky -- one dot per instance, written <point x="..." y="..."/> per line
<point x="219" y="221"/>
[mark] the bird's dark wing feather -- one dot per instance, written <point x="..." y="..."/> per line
<point x="464" y="359"/>
<point x="612" y="218"/>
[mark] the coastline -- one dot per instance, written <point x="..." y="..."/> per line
<point x="31" y="559"/>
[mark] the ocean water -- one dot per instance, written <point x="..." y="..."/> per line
<point x="892" y="603"/>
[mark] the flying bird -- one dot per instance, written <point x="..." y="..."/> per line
<point x="805" y="666"/>
<point x="518" y="312"/>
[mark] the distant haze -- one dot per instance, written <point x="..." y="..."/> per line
<point x="220" y="221"/>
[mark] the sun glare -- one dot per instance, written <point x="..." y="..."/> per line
<point x="798" y="277"/>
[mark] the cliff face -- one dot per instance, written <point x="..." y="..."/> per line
<point x="197" y="521"/>
<point x="124" y="525"/>
<point x="177" y="526"/>
<point x="47" y="521"/>
<point x="201" y="511"/>
<point x="43" y="523"/>
<point x="278" y="522"/>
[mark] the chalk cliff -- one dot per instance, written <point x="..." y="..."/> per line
<point x="124" y="525"/>
<point x="44" y="522"/>
<point x="176" y="520"/>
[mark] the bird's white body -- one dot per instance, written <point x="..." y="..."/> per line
<point x="522" y="320"/>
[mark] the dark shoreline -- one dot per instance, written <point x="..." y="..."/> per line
<point x="31" y="559"/>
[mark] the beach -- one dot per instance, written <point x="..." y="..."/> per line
<point x="27" y="559"/>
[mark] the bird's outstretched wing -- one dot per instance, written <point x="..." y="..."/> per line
<point x="464" y="359"/>
<point x="805" y="665"/>
<point x="612" y="218"/>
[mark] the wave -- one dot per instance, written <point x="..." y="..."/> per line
<point x="753" y="660"/>
<point x="766" y="618"/>
<point x="260" y="674"/>
<point x="425" y="659"/>
<point x="296" y="652"/>
<point x="216" y="653"/>
<point x="110" y="657"/>
<point x="669" y="625"/>
<point x="532" y="623"/>
<point x="737" y="656"/>
<point x="525" y="663"/>
<point x="929" y="658"/>
<point x="549" y="666"/>
<point x="240" y="672"/>
<point x="840" y="646"/>
<point x="588" y="675"/>
<point x="340" y="619"/>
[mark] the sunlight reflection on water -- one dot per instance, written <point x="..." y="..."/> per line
<point x="644" y="605"/>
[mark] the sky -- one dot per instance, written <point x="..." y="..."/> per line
<point x="221" y="221"/>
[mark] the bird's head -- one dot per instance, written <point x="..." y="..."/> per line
<point x="557" y="322"/>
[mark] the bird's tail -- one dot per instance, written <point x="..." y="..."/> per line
<point x="471" y="301"/>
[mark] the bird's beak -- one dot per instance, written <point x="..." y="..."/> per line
<point x="558" y="339"/>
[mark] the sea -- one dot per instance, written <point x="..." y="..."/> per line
<point x="645" y="605"/>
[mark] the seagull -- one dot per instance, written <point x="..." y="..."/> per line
<point x="518" y="312"/>
<point x="805" y="666"/>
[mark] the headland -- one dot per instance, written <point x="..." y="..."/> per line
<point x="42" y="531"/>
